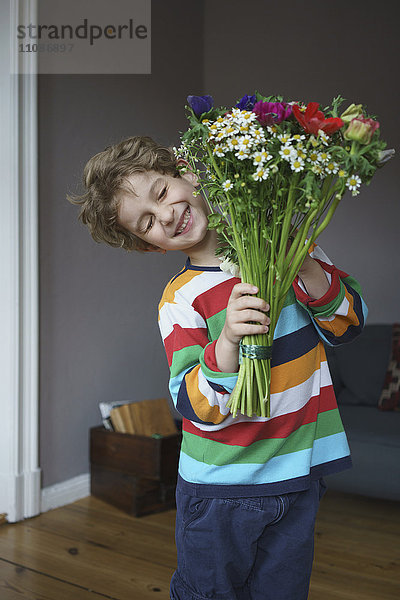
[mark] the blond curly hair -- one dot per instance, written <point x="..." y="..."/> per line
<point x="105" y="175"/>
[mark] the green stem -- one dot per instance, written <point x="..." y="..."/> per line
<point x="297" y="262"/>
<point x="287" y="221"/>
<point x="232" y="403"/>
<point x="302" y="249"/>
<point x="328" y="217"/>
<point x="258" y="372"/>
<point x="354" y="148"/>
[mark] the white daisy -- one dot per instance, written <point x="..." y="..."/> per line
<point x="298" y="137"/>
<point x="233" y="143"/>
<point x="322" y="135"/>
<point x="287" y="152"/>
<point x="353" y="183"/>
<point x="301" y="153"/>
<point x="313" y="157"/>
<point x="266" y="154"/>
<point x="259" y="158"/>
<point x="229" y="130"/>
<point x="258" y="134"/>
<point x="236" y="112"/>
<point x="227" y="185"/>
<point x="324" y="157"/>
<point x="219" y="150"/>
<point x="342" y="173"/>
<point x="182" y="151"/>
<point x="220" y="135"/>
<point x="247" y="116"/>
<point x="245" y="142"/>
<point x="261" y="174"/>
<point x="284" y="138"/>
<point x="297" y="164"/>
<point x="332" y="168"/>
<point x="241" y="154"/>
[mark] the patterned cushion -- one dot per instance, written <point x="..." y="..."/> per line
<point x="390" y="395"/>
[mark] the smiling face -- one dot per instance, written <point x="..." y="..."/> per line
<point x="163" y="212"/>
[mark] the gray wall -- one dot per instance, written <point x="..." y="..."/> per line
<point x="99" y="338"/>
<point x="99" y="335"/>
<point x="311" y="51"/>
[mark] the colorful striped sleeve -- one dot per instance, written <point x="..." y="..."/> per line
<point x="198" y="389"/>
<point x="339" y="316"/>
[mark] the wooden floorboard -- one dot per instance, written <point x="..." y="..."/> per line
<point x="90" y="550"/>
<point x="20" y="583"/>
<point x="357" y="549"/>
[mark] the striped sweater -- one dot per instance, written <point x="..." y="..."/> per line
<point x="303" y="438"/>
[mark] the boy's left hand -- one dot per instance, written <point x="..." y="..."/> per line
<point x="314" y="278"/>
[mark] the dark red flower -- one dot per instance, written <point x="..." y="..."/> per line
<point x="270" y="113"/>
<point x="312" y="120"/>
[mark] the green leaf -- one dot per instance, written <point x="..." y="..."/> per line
<point x="214" y="220"/>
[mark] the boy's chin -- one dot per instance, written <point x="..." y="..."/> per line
<point x="151" y="248"/>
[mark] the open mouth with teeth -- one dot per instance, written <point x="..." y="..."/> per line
<point x="184" y="222"/>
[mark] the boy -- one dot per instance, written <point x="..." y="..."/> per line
<point x="248" y="489"/>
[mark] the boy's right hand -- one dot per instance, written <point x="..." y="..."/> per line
<point x="242" y="308"/>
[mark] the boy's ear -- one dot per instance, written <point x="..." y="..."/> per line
<point x="188" y="173"/>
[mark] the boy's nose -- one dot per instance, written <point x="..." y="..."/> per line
<point x="166" y="215"/>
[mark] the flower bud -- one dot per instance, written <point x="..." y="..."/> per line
<point x="352" y="112"/>
<point x="229" y="267"/>
<point x="384" y="156"/>
<point x="361" y="130"/>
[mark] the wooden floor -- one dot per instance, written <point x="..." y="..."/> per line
<point x="90" y="550"/>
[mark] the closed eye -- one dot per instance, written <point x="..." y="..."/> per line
<point x="149" y="225"/>
<point x="163" y="193"/>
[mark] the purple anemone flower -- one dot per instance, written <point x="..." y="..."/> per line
<point x="270" y="113"/>
<point x="247" y="102"/>
<point x="200" y="104"/>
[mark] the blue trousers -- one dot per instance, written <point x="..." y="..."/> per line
<point x="245" y="548"/>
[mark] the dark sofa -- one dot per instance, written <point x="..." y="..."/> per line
<point x="358" y="371"/>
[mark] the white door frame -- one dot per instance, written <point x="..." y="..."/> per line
<point x="19" y="271"/>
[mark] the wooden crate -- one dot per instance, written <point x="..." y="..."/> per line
<point x="135" y="473"/>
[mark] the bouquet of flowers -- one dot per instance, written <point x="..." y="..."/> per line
<point x="273" y="173"/>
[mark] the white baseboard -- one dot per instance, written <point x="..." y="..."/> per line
<point x="65" y="492"/>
